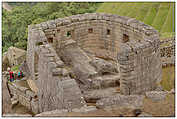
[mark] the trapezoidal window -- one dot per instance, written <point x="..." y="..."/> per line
<point x="90" y="30"/>
<point x="58" y="30"/>
<point x="68" y="34"/>
<point x="50" y="40"/>
<point x="125" y="38"/>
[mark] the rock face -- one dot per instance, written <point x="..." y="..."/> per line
<point x="73" y="55"/>
<point x="6" y="98"/>
<point x="103" y="66"/>
<point x="14" y="56"/>
<point x="121" y="100"/>
<point x="24" y="69"/>
<point x="5" y="62"/>
<point x="156" y="95"/>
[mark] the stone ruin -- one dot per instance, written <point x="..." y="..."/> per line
<point x="87" y="57"/>
<point x="167" y="51"/>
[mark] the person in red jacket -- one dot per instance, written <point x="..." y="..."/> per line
<point x="11" y="75"/>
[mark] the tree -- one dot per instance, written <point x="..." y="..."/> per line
<point x="15" y="23"/>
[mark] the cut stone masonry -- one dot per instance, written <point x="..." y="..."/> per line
<point x="71" y="59"/>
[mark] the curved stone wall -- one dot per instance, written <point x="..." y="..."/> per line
<point x="98" y="33"/>
<point x="131" y="43"/>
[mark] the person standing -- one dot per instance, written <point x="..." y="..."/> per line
<point x="20" y="74"/>
<point x="11" y="75"/>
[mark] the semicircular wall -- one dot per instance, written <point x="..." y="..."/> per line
<point x="98" y="33"/>
<point x="131" y="43"/>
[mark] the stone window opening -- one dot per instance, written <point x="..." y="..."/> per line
<point x="50" y="40"/>
<point x="68" y="34"/>
<point x="58" y="30"/>
<point x="125" y="38"/>
<point x="106" y="73"/>
<point x="36" y="59"/>
<point x="90" y="30"/>
<point x="108" y="31"/>
<point x="39" y="43"/>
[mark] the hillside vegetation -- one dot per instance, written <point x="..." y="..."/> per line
<point x="15" y="23"/>
<point x="157" y="14"/>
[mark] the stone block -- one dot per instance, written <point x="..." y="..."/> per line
<point x="121" y="100"/>
<point x="156" y="95"/>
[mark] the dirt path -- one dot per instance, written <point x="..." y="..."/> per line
<point x="6" y="6"/>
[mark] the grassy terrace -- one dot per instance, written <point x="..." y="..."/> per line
<point x="151" y="13"/>
<point x="161" y="16"/>
<point x="168" y="78"/>
<point x="168" y="25"/>
<point x="157" y="14"/>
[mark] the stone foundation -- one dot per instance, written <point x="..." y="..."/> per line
<point x="122" y="43"/>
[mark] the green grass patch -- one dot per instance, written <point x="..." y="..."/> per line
<point x="161" y="16"/>
<point x="167" y="35"/>
<point x="15" y="68"/>
<point x="168" y="78"/>
<point x="152" y="13"/>
<point x="109" y="8"/>
<point x="135" y="8"/>
<point x="127" y="6"/>
<point x="169" y="25"/>
<point x="142" y="12"/>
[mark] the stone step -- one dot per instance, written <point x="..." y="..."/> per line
<point x="94" y="95"/>
<point x="105" y="81"/>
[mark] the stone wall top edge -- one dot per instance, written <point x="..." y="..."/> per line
<point x="39" y="33"/>
<point x="21" y="88"/>
<point x="132" y="22"/>
<point x="138" y="46"/>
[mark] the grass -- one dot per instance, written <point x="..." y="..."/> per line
<point x="126" y="6"/>
<point x="160" y="15"/>
<point x="135" y="7"/>
<point x="15" y="68"/>
<point x="167" y="35"/>
<point x="168" y="25"/>
<point x="142" y="12"/>
<point x="152" y="13"/>
<point x="164" y="107"/>
<point x="168" y="78"/>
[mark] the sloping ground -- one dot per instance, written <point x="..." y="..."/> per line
<point x="168" y="78"/>
<point x="159" y="15"/>
<point x="160" y="108"/>
<point x="6" y="6"/>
